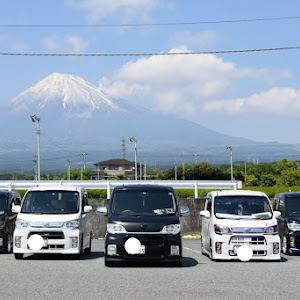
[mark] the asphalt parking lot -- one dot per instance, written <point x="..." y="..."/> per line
<point x="61" y="277"/>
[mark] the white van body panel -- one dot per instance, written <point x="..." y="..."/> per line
<point x="58" y="238"/>
<point x="243" y="231"/>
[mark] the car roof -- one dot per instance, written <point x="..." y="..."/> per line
<point x="237" y="193"/>
<point x="143" y="187"/>
<point x="56" y="188"/>
<point x="288" y="195"/>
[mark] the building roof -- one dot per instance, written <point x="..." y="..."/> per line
<point x="115" y="162"/>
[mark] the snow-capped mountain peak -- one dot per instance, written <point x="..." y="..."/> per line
<point x="64" y="92"/>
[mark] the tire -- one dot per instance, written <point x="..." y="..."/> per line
<point x="109" y="263"/>
<point x="7" y="246"/>
<point x="284" y="246"/>
<point x="88" y="250"/>
<point x="80" y="255"/>
<point x="18" y="255"/>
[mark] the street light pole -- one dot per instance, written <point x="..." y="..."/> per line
<point x="35" y="118"/>
<point x="132" y="139"/>
<point x="231" y="167"/>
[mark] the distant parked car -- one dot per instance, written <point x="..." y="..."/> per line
<point x="143" y="225"/>
<point x="7" y="219"/>
<point x="289" y="222"/>
<point x="241" y="225"/>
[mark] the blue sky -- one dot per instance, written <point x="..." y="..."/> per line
<point x="252" y="95"/>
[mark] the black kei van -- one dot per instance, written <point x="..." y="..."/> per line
<point x="7" y="219"/>
<point x="289" y="222"/>
<point x="143" y="225"/>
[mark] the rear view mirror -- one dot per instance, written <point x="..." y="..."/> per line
<point x="184" y="210"/>
<point x="277" y="214"/>
<point x="16" y="209"/>
<point x="102" y="210"/>
<point x="87" y="209"/>
<point x="205" y="214"/>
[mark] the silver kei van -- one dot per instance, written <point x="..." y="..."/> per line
<point x="53" y="220"/>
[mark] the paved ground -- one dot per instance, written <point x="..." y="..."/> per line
<point x="48" y="277"/>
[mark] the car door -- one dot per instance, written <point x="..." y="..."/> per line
<point x="205" y="226"/>
<point x="11" y="217"/>
<point x="85" y="222"/>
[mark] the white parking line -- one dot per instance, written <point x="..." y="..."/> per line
<point x="189" y="249"/>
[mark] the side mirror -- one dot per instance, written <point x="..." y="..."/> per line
<point x="184" y="210"/>
<point x="277" y="214"/>
<point x="16" y="209"/>
<point x="205" y="214"/>
<point x="87" y="209"/>
<point x="102" y="210"/>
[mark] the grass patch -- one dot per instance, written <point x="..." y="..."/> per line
<point x="191" y="236"/>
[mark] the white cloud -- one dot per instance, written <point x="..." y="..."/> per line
<point x="279" y="101"/>
<point x="19" y="46"/>
<point x="3" y="37"/>
<point x="72" y="44"/>
<point x="177" y="84"/>
<point x="99" y="9"/>
<point x="200" y="39"/>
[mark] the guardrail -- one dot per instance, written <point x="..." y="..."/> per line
<point x="110" y="184"/>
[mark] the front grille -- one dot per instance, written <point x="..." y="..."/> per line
<point x="248" y="240"/>
<point x="297" y="242"/>
<point x="50" y="235"/>
<point x="236" y="241"/>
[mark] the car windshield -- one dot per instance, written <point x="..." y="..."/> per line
<point x="3" y="204"/>
<point x="242" y="207"/>
<point x="293" y="206"/>
<point x="143" y="202"/>
<point x="51" y="202"/>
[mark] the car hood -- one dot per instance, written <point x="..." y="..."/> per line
<point x="294" y="217"/>
<point x="39" y="219"/>
<point x="143" y="223"/>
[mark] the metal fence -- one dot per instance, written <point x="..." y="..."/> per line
<point x="110" y="184"/>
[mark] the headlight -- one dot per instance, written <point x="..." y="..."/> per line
<point x="171" y="229"/>
<point x="271" y="230"/>
<point x="2" y="224"/>
<point x="21" y="224"/>
<point x="74" y="224"/>
<point x="220" y="229"/>
<point x="115" y="228"/>
<point x="293" y="226"/>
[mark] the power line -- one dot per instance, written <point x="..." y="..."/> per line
<point x="154" y="53"/>
<point x="150" y="24"/>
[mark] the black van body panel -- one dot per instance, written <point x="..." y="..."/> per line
<point x="147" y="229"/>
<point x="8" y="218"/>
<point x="281" y="204"/>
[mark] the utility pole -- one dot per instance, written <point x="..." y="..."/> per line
<point x="35" y="118"/>
<point x="231" y="167"/>
<point x="132" y="139"/>
<point x="84" y="160"/>
<point x="69" y="169"/>
<point x="123" y="148"/>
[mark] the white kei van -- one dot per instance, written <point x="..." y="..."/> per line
<point x="238" y="224"/>
<point x="53" y="220"/>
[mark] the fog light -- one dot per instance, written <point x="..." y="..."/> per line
<point x="174" y="250"/>
<point x="74" y="240"/>
<point x="292" y="241"/>
<point x="218" y="247"/>
<point x="112" y="249"/>
<point x="1" y="242"/>
<point x="18" y="242"/>
<point x="275" y="248"/>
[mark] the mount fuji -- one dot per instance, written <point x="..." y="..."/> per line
<point x="76" y="117"/>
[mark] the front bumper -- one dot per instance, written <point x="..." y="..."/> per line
<point x="294" y="241"/>
<point x="157" y="247"/>
<point x="56" y="241"/>
<point x="264" y="247"/>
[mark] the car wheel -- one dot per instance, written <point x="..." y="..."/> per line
<point x="7" y="246"/>
<point x="88" y="250"/>
<point x="284" y="246"/>
<point x="201" y="246"/>
<point x="80" y="255"/>
<point x="109" y="263"/>
<point x="18" y="255"/>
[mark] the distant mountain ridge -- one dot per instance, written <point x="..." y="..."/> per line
<point x="78" y="115"/>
